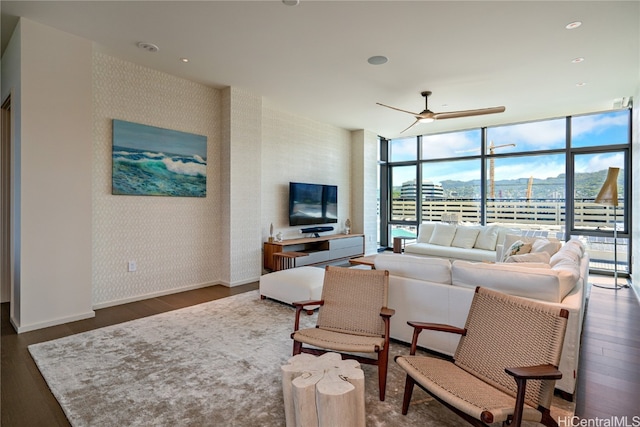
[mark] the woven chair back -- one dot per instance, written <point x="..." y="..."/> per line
<point x="353" y="299"/>
<point x="505" y="331"/>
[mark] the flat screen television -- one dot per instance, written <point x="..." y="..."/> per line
<point x="312" y="204"/>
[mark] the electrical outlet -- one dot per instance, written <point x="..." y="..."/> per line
<point x="133" y="266"/>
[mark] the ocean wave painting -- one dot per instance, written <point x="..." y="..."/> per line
<point x="151" y="161"/>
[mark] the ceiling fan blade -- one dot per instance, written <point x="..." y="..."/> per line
<point x="398" y="109"/>
<point x="468" y="113"/>
<point x="412" y="125"/>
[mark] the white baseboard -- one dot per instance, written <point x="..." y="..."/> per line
<point x="59" y="321"/>
<point x="152" y="295"/>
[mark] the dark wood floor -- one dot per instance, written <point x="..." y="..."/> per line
<point x="609" y="369"/>
<point x="608" y="379"/>
<point x="25" y="398"/>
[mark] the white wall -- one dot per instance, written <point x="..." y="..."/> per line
<point x="240" y="186"/>
<point x="11" y="87"/>
<point x="175" y="241"/>
<point x="364" y="187"/>
<point x="74" y="239"/>
<point x="55" y="178"/>
<point x="300" y="149"/>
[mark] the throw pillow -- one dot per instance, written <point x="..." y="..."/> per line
<point x="517" y="248"/>
<point x="465" y="237"/>
<point x="487" y="238"/>
<point x="443" y="235"/>
<point x="545" y="245"/>
<point x="539" y="257"/>
<point x="425" y="231"/>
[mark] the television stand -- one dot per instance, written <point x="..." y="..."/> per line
<point x="319" y="250"/>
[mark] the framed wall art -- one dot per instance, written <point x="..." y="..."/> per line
<point x="152" y="161"/>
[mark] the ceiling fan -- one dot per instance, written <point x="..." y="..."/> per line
<point x="428" y="116"/>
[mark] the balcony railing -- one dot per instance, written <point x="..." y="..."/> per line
<point x="546" y="217"/>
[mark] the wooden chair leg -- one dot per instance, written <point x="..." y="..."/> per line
<point x="297" y="347"/>
<point x="547" y="419"/>
<point x="383" y="363"/>
<point x="408" y="391"/>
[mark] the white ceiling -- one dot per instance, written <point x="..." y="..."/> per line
<point x="311" y="59"/>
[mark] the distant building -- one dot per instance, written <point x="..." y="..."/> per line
<point x="430" y="191"/>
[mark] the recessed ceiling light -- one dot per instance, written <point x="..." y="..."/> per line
<point x="291" y="2"/>
<point x="577" y="60"/>
<point x="573" y="25"/>
<point x="149" y="47"/>
<point x="378" y="60"/>
<point x="184" y="59"/>
<point x="581" y="84"/>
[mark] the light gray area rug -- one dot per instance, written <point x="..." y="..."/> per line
<point x="213" y="364"/>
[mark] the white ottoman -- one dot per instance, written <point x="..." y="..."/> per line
<point x="293" y="284"/>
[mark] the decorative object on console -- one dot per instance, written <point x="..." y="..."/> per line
<point x="347" y="226"/>
<point x="608" y="196"/>
<point x="271" y="233"/>
<point x="279" y="236"/>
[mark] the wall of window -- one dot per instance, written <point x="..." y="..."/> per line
<point x="541" y="177"/>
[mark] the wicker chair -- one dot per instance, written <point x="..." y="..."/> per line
<point x="353" y="318"/>
<point x="505" y="338"/>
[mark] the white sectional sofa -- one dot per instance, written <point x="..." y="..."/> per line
<point x="468" y="242"/>
<point x="438" y="290"/>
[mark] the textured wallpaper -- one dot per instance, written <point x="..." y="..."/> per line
<point x="297" y="148"/>
<point x="173" y="240"/>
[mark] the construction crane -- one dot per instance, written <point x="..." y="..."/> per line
<point x="492" y="168"/>
<point x="530" y="188"/>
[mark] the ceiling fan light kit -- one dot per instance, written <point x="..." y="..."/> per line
<point x="428" y="116"/>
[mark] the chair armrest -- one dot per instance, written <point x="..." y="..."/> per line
<point x="300" y="305"/>
<point x="521" y="375"/>
<point x="307" y="302"/>
<point x="540" y="372"/>
<point x="387" y="312"/>
<point x="421" y="326"/>
<point x="436" y="327"/>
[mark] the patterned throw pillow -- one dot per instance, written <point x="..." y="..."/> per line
<point x="517" y="248"/>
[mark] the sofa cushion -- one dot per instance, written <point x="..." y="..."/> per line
<point x="571" y="250"/>
<point x="546" y="245"/>
<point x="536" y="283"/>
<point x="415" y="267"/>
<point x="452" y="252"/>
<point x="539" y="257"/>
<point x="443" y="235"/>
<point x="425" y="231"/>
<point x="568" y="271"/>
<point x="517" y="248"/>
<point x="532" y="264"/>
<point x="465" y="237"/>
<point x="487" y="238"/>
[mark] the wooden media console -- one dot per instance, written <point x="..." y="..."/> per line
<point x="316" y="250"/>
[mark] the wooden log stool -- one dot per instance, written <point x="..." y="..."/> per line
<point x="323" y="391"/>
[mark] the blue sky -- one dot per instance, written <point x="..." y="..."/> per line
<point x="587" y="131"/>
